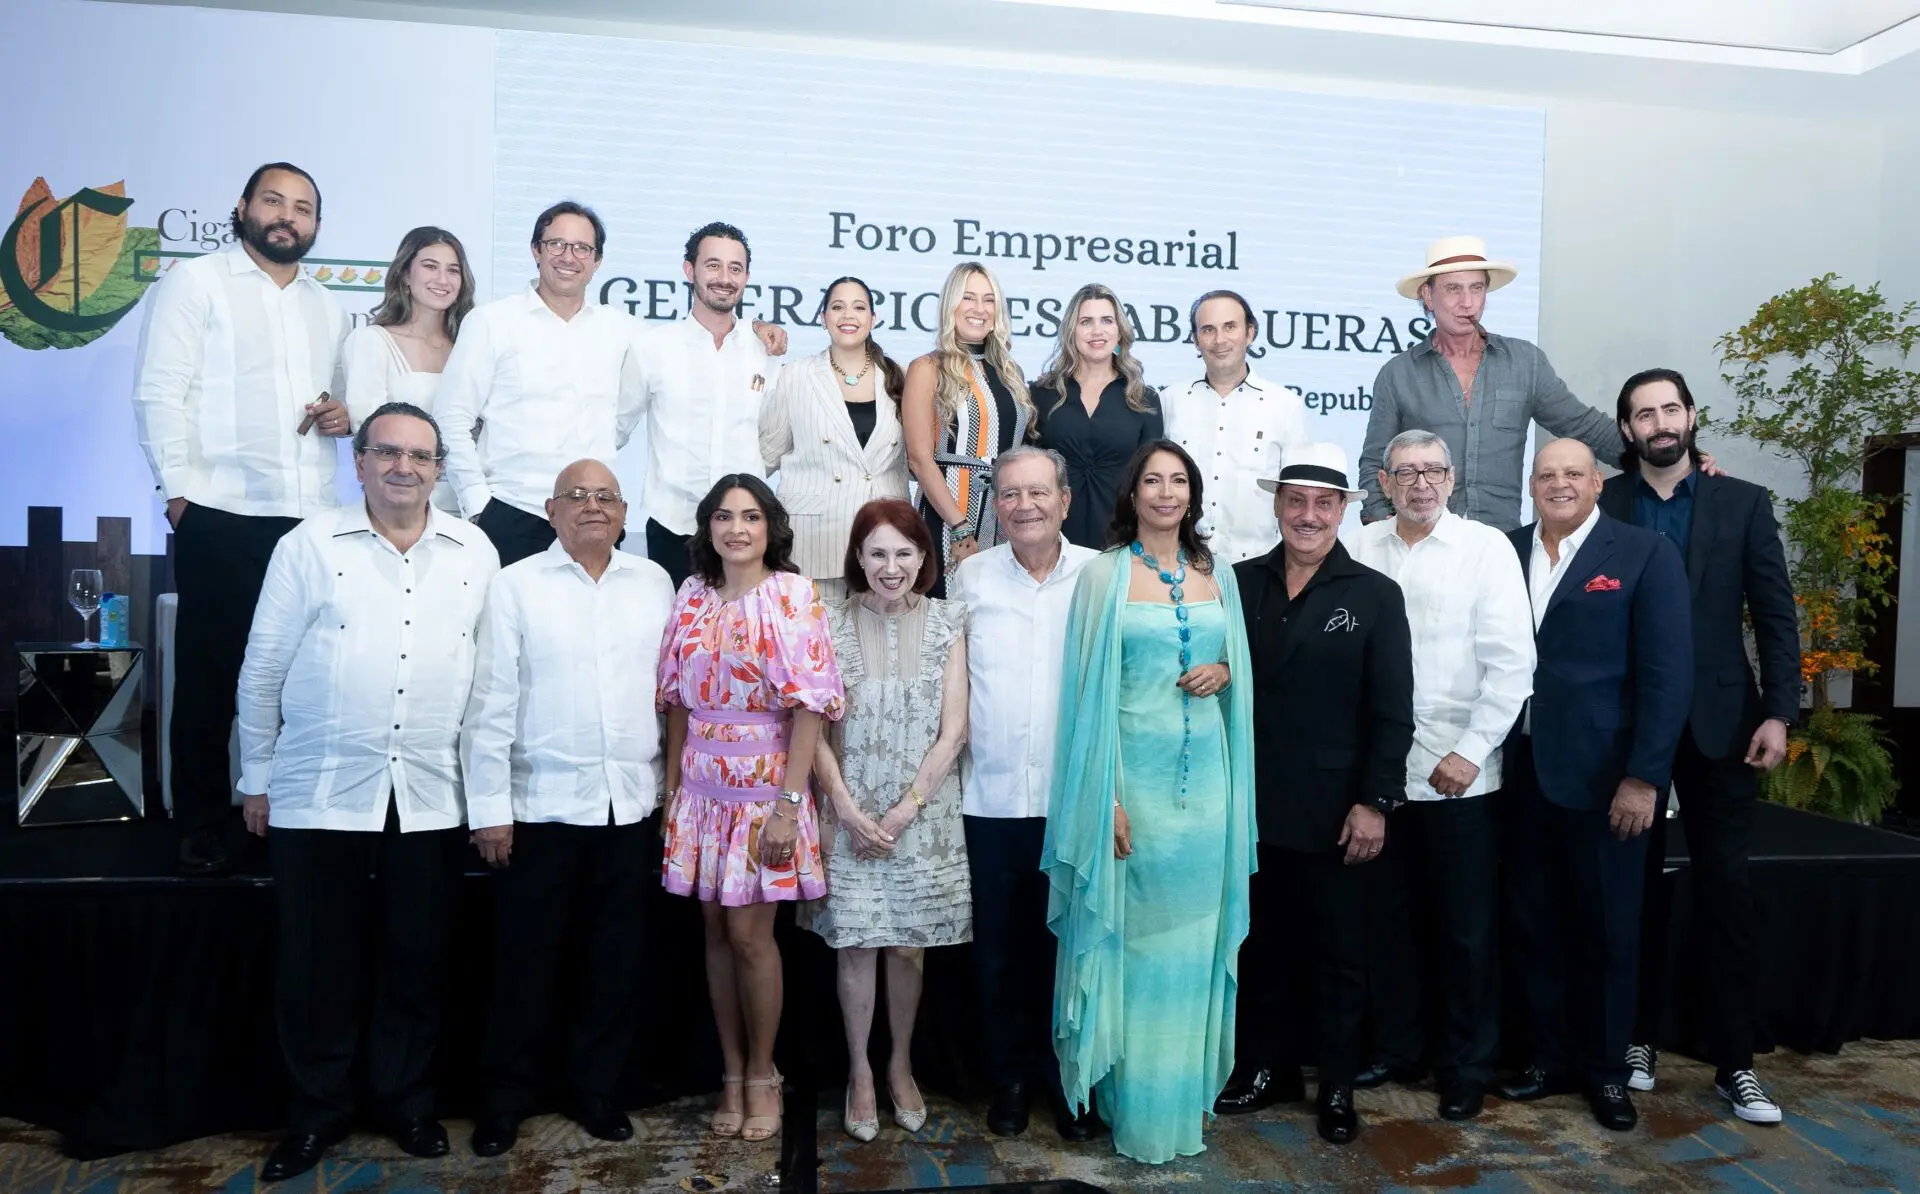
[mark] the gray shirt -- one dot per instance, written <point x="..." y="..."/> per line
<point x="1488" y="437"/>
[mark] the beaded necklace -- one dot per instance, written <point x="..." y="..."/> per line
<point x="1175" y="580"/>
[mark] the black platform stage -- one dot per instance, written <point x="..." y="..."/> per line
<point x="136" y="1008"/>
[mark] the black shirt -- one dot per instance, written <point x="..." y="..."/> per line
<point x="864" y="416"/>
<point x="1097" y="448"/>
<point x="1672" y="517"/>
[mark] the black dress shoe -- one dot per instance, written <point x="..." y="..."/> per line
<point x="1338" y="1123"/>
<point x="297" y="1153"/>
<point x="1077" y="1129"/>
<point x="420" y="1136"/>
<point x="1007" y="1114"/>
<point x="1380" y="1073"/>
<point x="1462" y="1100"/>
<point x="601" y="1119"/>
<point x="1262" y="1087"/>
<point x="203" y="853"/>
<point x="1530" y="1084"/>
<point x="494" y="1134"/>
<point x="1612" y="1108"/>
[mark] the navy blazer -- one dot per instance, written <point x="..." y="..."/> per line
<point x="1614" y="681"/>
<point x="1737" y="571"/>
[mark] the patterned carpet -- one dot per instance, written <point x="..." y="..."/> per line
<point x="1853" y="1122"/>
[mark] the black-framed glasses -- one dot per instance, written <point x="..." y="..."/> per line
<point x="1433" y="474"/>
<point x="387" y="454"/>
<point x="580" y="497"/>
<point x="560" y="247"/>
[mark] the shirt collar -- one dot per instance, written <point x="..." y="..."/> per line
<point x="1682" y="486"/>
<point x="1494" y="340"/>
<point x="1570" y="546"/>
<point x="238" y="262"/>
<point x="353" y="519"/>
<point x="1015" y="567"/>
<point x="1251" y="382"/>
<point x="556" y="557"/>
<point x="1446" y="530"/>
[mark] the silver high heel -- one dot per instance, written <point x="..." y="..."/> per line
<point x="862" y="1130"/>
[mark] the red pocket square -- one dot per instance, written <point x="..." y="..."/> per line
<point x="1603" y="584"/>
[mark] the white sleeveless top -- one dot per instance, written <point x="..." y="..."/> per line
<point x="377" y="372"/>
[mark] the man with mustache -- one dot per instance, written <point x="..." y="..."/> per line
<point x="1725" y="531"/>
<point x="1333" y="722"/>
<point x="559" y="748"/>
<point x="357" y="670"/>
<point x="1472" y="671"/>
<point x="699" y="383"/>
<point x="1235" y="425"/>
<point x="1478" y="391"/>
<point x="1612" y="681"/>
<point x="238" y="355"/>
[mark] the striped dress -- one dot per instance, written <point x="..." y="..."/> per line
<point x="969" y="444"/>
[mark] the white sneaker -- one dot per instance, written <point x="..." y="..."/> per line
<point x="1641" y="1059"/>
<point x="1750" y="1100"/>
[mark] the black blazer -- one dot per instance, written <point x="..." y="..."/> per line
<point x="1734" y="559"/>
<point x="1612" y="682"/>
<point x="1332" y="696"/>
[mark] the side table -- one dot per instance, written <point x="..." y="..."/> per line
<point x="78" y="733"/>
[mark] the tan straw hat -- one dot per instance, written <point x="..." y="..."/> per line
<point x="1452" y="255"/>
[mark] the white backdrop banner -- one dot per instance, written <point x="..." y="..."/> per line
<point x="1310" y="205"/>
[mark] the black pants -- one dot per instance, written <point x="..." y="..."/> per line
<point x="586" y="884"/>
<point x="338" y="892"/>
<point x="1013" y="950"/>
<point x="219" y="563"/>
<point x="670" y="552"/>
<point x="1431" y="900"/>
<point x="1573" y="891"/>
<point x="1716" y="808"/>
<point x="516" y="534"/>
<point x="1285" y="989"/>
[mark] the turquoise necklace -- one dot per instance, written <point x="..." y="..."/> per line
<point x="1175" y="581"/>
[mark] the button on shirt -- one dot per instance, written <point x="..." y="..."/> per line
<point x="1473" y="654"/>
<point x="357" y="673"/>
<point x="1237" y="441"/>
<point x="1016" y="648"/>
<point x="1543" y="577"/>
<point x="702" y="407"/>
<point x="1672" y="516"/>
<point x="545" y="391"/>
<point x="561" y="726"/>
<point x="227" y="363"/>
<point x="1515" y="386"/>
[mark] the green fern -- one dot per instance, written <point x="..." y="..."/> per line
<point x="1837" y="764"/>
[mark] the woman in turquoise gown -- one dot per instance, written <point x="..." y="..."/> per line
<point x="1150" y="830"/>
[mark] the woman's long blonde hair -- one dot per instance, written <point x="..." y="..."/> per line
<point x="953" y="363"/>
<point x="1065" y="361"/>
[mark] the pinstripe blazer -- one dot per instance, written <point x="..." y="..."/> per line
<point x="825" y="475"/>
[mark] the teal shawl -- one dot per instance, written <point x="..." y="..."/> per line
<point x="1086" y="902"/>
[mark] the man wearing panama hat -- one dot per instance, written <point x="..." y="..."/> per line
<point x="1477" y="390"/>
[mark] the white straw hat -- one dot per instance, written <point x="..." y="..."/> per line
<point x="1453" y="255"/>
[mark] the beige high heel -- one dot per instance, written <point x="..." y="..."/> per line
<point x="862" y="1130"/>
<point x="762" y="1127"/>
<point x="910" y="1119"/>
<point x="728" y="1123"/>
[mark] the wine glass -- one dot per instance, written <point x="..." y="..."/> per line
<point x="83" y="594"/>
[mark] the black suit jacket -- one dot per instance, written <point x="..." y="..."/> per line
<point x="1332" y="696"/>
<point x="1734" y="562"/>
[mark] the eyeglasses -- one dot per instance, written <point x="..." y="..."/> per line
<point x="580" y="497"/>
<point x="566" y="248"/>
<point x="1433" y="474"/>
<point x="388" y="454"/>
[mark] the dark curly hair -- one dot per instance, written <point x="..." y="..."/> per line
<point x="703" y="555"/>
<point x="1125" y="527"/>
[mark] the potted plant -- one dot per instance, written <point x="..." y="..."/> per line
<point x="1819" y="371"/>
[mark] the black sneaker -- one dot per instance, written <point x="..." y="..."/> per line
<point x="1641" y="1059"/>
<point x="1750" y="1100"/>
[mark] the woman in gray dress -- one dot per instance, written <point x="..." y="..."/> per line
<point x="897" y="878"/>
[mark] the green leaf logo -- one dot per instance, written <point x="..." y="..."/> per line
<point x="70" y="268"/>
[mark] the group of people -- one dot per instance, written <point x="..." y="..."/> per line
<point x="1075" y="670"/>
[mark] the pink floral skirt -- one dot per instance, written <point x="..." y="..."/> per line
<point x="713" y="853"/>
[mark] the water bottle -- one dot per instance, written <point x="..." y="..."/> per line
<point x="116" y="611"/>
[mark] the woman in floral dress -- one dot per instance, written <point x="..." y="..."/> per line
<point x="898" y="881"/>
<point x="747" y="675"/>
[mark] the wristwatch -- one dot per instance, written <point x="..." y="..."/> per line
<point x="793" y="798"/>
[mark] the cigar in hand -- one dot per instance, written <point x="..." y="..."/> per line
<point x="307" y="423"/>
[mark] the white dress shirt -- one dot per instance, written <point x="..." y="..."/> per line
<point x="375" y="372"/>
<point x="1237" y="441"/>
<point x="1472" y="642"/>
<point x="357" y="673"/>
<point x="228" y="362"/>
<point x="1016" y="648"/>
<point x="702" y="406"/>
<point x="545" y="391"/>
<point x="1543" y="577"/>
<point x="561" y="725"/>
<point x="826" y="473"/>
